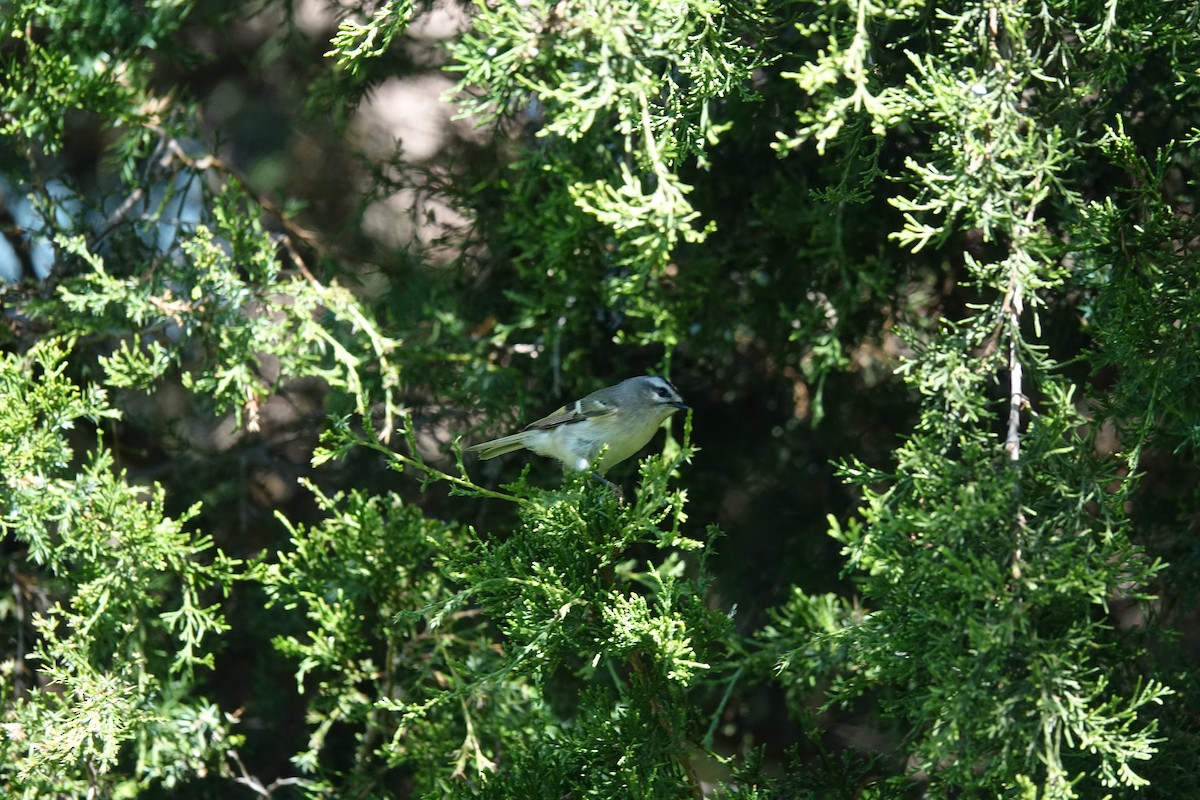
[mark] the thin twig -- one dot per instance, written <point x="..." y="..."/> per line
<point x="1016" y="397"/>
<point x="438" y="474"/>
<point x="1013" y="305"/>
<point x="253" y="783"/>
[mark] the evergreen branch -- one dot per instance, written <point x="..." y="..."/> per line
<point x="433" y="473"/>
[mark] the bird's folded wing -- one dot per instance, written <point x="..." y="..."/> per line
<point x="573" y="412"/>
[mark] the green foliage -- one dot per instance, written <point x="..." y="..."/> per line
<point x="1133" y="251"/>
<point x="839" y="77"/>
<point x="254" y="327"/>
<point x="357" y="578"/>
<point x="356" y="41"/>
<point x="622" y="94"/>
<point x="83" y="55"/>
<point x="989" y="554"/>
<point x="567" y="648"/>
<point x="999" y="577"/>
<point x="994" y="229"/>
<point x="34" y="111"/>
<point x="989" y="589"/>
<point x="125" y="615"/>
<point x="360" y="48"/>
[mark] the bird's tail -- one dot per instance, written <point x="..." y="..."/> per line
<point x="498" y="447"/>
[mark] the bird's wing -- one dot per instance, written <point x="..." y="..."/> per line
<point x="578" y="411"/>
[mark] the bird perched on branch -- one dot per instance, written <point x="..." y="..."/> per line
<point x="618" y="420"/>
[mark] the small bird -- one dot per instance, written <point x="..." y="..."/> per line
<point x="623" y="417"/>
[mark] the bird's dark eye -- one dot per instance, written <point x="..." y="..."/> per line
<point x="662" y="392"/>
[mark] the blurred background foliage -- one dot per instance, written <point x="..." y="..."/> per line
<point x="926" y="274"/>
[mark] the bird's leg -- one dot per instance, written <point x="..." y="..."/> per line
<point x="615" y="489"/>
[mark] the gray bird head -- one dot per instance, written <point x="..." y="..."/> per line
<point x="652" y="391"/>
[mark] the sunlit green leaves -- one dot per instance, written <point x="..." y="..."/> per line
<point x="131" y="609"/>
<point x="843" y="76"/>
<point x="357" y="41"/>
<point x="990" y="552"/>
<point x="625" y="94"/>
<point x="255" y="328"/>
<point x="358" y="578"/>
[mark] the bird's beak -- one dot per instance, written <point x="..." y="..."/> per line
<point x="682" y="406"/>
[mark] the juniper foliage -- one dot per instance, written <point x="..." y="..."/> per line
<point x="971" y="221"/>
